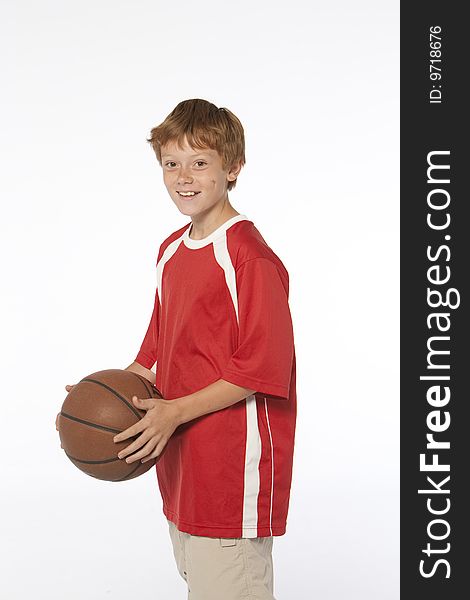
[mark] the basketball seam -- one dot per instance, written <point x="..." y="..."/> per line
<point x="128" y="404"/>
<point x="145" y="382"/>
<point x="92" y="462"/>
<point x="127" y="476"/>
<point x="103" y="427"/>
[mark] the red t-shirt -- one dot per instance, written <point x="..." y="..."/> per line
<point x="221" y="312"/>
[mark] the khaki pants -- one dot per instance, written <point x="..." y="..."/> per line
<point x="224" y="568"/>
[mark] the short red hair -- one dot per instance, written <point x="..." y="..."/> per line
<point x="204" y="126"/>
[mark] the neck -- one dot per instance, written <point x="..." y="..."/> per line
<point x="204" y="224"/>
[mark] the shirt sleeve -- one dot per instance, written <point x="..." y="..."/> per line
<point x="147" y="355"/>
<point x="264" y="357"/>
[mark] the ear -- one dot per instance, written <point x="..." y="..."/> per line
<point x="234" y="171"/>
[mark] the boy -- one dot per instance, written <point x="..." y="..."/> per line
<point x="221" y="336"/>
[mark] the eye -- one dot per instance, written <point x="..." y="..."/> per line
<point x="170" y="162"/>
<point x="201" y="161"/>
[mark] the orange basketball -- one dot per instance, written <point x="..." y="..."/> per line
<point x="98" y="408"/>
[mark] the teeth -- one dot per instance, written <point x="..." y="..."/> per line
<point x="187" y="193"/>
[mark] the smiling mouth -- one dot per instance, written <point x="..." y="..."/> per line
<point x="189" y="194"/>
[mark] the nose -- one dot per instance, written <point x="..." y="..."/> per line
<point x="184" y="176"/>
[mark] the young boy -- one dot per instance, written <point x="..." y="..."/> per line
<point x="222" y="339"/>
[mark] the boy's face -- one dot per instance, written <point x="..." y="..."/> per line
<point x="194" y="170"/>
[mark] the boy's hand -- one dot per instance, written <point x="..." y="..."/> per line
<point x="157" y="427"/>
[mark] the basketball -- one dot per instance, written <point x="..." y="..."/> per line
<point x="98" y="408"/>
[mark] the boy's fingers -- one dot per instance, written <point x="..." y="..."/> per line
<point x="135" y="447"/>
<point x="132" y="431"/>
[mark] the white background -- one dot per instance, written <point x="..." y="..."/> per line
<point x="83" y="212"/>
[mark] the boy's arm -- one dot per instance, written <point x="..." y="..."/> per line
<point x="215" y="396"/>
<point x="135" y="367"/>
